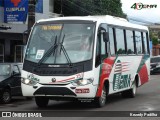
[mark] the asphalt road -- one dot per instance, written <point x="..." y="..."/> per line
<point x="147" y="99"/>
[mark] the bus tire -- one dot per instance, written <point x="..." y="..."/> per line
<point x="101" y="101"/>
<point x="41" y="102"/>
<point x="6" y="96"/>
<point x="131" y="93"/>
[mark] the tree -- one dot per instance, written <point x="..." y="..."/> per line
<point x="154" y="40"/>
<point x="159" y="34"/>
<point x="89" y="7"/>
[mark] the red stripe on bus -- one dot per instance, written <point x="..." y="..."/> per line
<point x="143" y="73"/>
<point x="66" y="79"/>
<point x="104" y="76"/>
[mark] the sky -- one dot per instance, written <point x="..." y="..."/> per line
<point x="150" y="15"/>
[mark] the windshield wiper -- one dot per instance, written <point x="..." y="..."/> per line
<point x="65" y="52"/>
<point x="53" y="48"/>
<point x="50" y="50"/>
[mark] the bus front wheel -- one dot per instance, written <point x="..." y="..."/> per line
<point x="101" y="101"/>
<point x="41" y="101"/>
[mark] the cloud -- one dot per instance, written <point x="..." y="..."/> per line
<point x="150" y="14"/>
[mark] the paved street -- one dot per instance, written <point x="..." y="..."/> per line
<point x="147" y="99"/>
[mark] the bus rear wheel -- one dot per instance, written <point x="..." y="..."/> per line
<point x="41" y="101"/>
<point x="131" y="93"/>
<point x="101" y="101"/>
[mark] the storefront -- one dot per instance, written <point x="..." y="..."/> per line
<point x="14" y="18"/>
<point x="11" y="47"/>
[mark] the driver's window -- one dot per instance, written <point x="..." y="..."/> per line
<point x="16" y="70"/>
<point x="100" y="36"/>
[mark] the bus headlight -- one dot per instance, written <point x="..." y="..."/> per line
<point x="29" y="82"/>
<point x="83" y="82"/>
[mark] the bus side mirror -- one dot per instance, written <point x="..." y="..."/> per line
<point x="105" y="37"/>
<point x="26" y="35"/>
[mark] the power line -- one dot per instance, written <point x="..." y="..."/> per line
<point x="84" y="10"/>
<point x="66" y="7"/>
<point x="139" y="20"/>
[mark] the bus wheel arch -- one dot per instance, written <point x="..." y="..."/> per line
<point x="101" y="100"/>
<point x="131" y="93"/>
<point x="137" y="80"/>
<point x="106" y="84"/>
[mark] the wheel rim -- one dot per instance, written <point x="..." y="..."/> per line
<point x="103" y="96"/>
<point x="6" y="96"/>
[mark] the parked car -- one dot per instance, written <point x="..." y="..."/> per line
<point x="155" y="65"/>
<point x="10" y="81"/>
<point x="156" y="70"/>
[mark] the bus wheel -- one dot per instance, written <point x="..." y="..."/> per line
<point x="101" y="101"/>
<point x="6" y="96"/>
<point x="41" y="101"/>
<point x="131" y="93"/>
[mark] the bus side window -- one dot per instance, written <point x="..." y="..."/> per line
<point x="120" y="41"/>
<point x="103" y="44"/>
<point x="148" y="46"/>
<point x="130" y="42"/>
<point x="138" y="40"/>
<point x="111" y="42"/>
<point x="145" y="42"/>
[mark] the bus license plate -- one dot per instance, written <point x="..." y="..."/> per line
<point x="86" y="90"/>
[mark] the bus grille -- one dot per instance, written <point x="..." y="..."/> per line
<point x="54" y="91"/>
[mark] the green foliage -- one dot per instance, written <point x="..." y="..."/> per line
<point x="154" y="40"/>
<point x="151" y="34"/>
<point x="89" y="7"/>
<point x="159" y="34"/>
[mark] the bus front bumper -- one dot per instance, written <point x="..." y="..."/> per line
<point x="87" y="91"/>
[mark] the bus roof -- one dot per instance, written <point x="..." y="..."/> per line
<point x="101" y="19"/>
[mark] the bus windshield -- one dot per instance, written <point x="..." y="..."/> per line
<point x="76" y="39"/>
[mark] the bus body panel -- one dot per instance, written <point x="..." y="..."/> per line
<point x="119" y="71"/>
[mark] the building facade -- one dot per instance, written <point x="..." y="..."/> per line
<point x="12" y="28"/>
<point x="156" y="50"/>
<point x="155" y="29"/>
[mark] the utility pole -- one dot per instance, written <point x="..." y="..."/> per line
<point x="31" y="13"/>
<point x="31" y="19"/>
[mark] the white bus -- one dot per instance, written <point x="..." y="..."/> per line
<point x="85" y="59"/>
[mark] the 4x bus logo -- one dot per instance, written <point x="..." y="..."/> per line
<point x="139" y="6"/>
